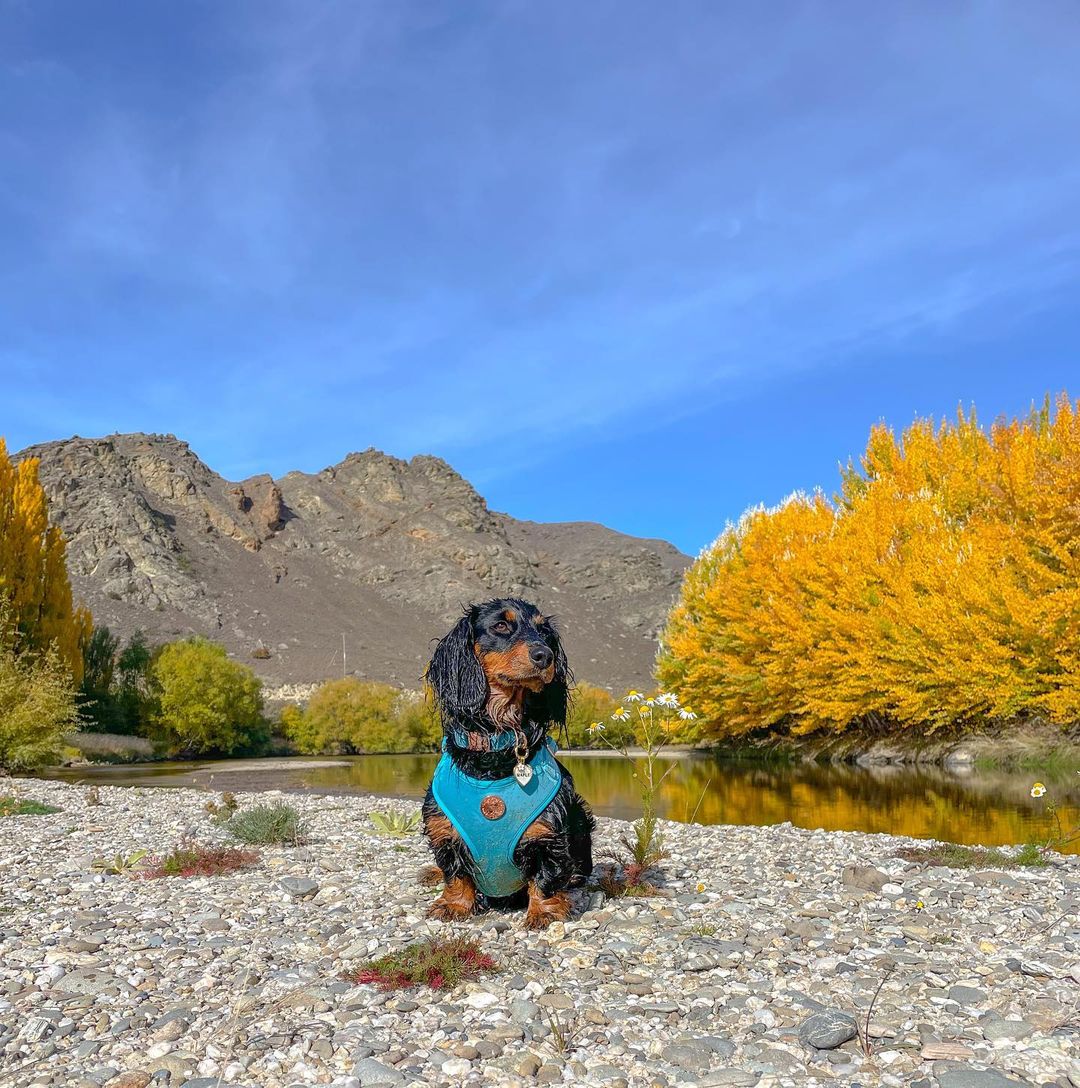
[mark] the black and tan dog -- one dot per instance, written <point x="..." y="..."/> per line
<point x="503" y="819"/>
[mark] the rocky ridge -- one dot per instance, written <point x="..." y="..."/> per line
<point x="380" y="550"/>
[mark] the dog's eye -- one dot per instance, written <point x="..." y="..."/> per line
<point x="502" y="627"/>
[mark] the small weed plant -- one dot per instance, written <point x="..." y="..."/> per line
<point x="440" y="963"/>
<point x="120" y="864"/>
<point x="394" y="823"/>
<point x="1058" y="834"/>
<point x="267" y="825"/>
<point x="17" y="806"/>
<point x="192" y="859"/>
<point x="658" y="716"/>
<point x="223" y="810"/>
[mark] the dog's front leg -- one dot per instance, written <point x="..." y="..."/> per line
<point x="459" y="898"/>
<point x="544" y="858"/>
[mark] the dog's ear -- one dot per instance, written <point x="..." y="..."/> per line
<point x="455" y="674"/>
<point x="551" y="703"/>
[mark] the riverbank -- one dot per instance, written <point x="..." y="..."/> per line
<point x="1030" y="747"/>
<point x="107" y="980"/>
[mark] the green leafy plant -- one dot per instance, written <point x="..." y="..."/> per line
<point x="441" y="963"/>
<point x="119" y="865"/>
<point x="191" y="859"/>
<point x="16" y="806"/>
<point x="394" y="823"/>
<point x="267" y="825"/>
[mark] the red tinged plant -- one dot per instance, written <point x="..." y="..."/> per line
<point x="438" y="963"/>
<point x="190" y="859"/>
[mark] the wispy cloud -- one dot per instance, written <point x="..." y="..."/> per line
<point x="391" y="223"/>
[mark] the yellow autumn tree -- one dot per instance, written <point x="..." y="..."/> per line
<point x="33" y="574"/>
<point x="941" y="586"/>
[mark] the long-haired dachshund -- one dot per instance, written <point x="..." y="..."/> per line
<point x="501" y="815"/>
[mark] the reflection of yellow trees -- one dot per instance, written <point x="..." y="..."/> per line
<point x="991" y="808"/>
<point x="943" y="585"/>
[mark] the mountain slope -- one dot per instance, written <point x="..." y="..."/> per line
<point x="381" y="551"/>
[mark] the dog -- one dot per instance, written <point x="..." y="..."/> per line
<point x="504" y="822"/>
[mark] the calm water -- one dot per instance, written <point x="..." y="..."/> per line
<point x="988" y="807"/>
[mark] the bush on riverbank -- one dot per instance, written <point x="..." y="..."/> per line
<point x="205" y="703"/>
<point x="942" y="586"/>
<point x="353" y="716"/>
<point x="37" y="702"/>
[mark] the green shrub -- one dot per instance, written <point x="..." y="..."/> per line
<point x="351" y="715"/>
<point x="206" y="703"/>
<point x="38" y="705"/>
<point x="266" y="825"/>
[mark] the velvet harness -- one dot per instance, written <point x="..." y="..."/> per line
<point x="491" y="815"/>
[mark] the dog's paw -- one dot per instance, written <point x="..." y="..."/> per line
<point x="538" y="919"/>
<point x="442" y="911"/>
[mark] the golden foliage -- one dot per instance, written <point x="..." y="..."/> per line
<point x="942" y="585"/>
<point x="33" y="575"/>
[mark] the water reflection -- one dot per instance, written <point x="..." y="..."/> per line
<point x="988" y="807"/>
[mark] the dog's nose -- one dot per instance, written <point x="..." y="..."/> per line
<point x="540" y="656"/>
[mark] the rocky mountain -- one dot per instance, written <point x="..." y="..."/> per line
<point x="381" y="551"/>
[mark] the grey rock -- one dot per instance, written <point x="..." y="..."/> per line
<point x="373" y="1074"/>
<point x="993" y="1030"/>
<point x="730" y="1078"/>
<point x="524" y="1011"/>
<point x="969" y="1077"/>
<point x="864" y="878"/>
<point x="829" y="1029"/>
<point x="92" y="981"/>
<point x="967" y="995"/>
<point x="688" y="1055"/>
<point x="299" y="887"/>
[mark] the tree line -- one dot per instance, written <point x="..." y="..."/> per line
<point x="940" y="588"/>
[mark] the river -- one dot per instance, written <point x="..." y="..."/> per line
<point x="990" y="807"/>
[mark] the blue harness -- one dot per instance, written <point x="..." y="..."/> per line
<point x="492" y="815"/>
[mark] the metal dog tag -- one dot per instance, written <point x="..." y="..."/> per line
<point x="523" y="773"/>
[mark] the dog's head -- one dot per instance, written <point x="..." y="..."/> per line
<point x="505" y="648"/>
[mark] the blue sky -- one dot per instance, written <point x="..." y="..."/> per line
<point x="635" y="263"/>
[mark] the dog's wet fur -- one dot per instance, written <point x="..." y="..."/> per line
<point x="502" y="667"/>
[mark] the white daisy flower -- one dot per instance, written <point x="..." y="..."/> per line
<point x="687" y="715"/>
<point x="634" y="697"/>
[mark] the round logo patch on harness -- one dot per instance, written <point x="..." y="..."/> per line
<point x="493" y="807"/>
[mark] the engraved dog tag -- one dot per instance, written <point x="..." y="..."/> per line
<point x="523" y="773"/>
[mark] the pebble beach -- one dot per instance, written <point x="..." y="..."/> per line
<point x="756" y="966"/>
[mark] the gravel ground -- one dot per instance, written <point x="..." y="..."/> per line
<point x="749" y="971"/>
